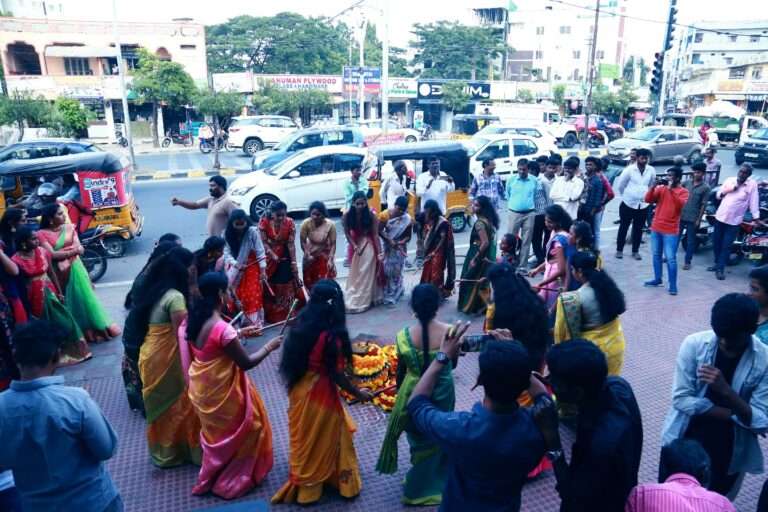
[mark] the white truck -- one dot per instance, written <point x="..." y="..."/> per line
<point x="536" y="113"/>
<point x="731" y="123"/>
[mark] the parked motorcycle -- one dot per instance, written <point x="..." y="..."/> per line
<point x="119" y="137"/>
<point x="426" y="132"/>
<point x="94" y="255"/>
<point x="206" y="145"/>
<point x="175" y="137"/>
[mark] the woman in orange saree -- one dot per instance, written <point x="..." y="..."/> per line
<point x="314" y="358"/>
<point x="439" y="252"/>
<point x="245" y="263"/>
<point x="236" y="436"/>
<point x="318" y="241"/>
<point x="278" y="233"/>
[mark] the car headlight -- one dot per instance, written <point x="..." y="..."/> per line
<point x="240" y="191"/>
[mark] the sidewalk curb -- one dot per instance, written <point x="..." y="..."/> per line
<point x="192" y="173"/>
<point x="565" y="153"/>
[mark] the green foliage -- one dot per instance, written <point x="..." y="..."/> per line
<point x="22" y="108"/>
<point x="558" y="96"/>
<point x="607" y="102"/>
<point x="373" y="54"/>
<point x="525" y="95"/>
<point x="219" y="104"/>
<point x="269" y="99"/>
<point x="452" y="50"/>
<point x="630" y="68"/>
<point x="70" y="118"/>
<point x="455" y="96"/>
<point x="161" y="81"/>
<point x="284" y="43"/>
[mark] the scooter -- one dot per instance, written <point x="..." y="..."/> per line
<point x="174" y="137"/>
<point x="206" y="145"/>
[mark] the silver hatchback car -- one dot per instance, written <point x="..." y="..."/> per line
<point x="664" y="142"/>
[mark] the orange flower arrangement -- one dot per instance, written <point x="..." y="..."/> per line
<point x="374" y="368"/>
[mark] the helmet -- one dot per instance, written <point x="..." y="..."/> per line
<point x="47" y="190"/>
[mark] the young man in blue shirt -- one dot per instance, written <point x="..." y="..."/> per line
<point x="55" y="437"/>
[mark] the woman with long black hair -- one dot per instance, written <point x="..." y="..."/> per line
<point x="474" y="291"/>
<point x="13" y="285"/>
<point x="315" y="356"/>
<point x="362" y="229"/>
<point x="236" y="435"/>
<point x="246" y="266"/>
<point x="439" y="250"/>
<point x="159" y="308"/>
<point x="592" y="311"/>
<point x="416" y="348"/>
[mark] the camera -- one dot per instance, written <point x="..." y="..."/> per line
<point x="475" y="342"/>
<point x="662" y="181"/>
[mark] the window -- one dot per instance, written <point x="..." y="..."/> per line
<point x="728" y="60"/>
<point x="576" y="74"/>
<point x="341" y="137"/>
<point x="600" y="54"/>
<point x="696" y="59"/>
<point x="539" y="31"/>
<point x="576" y="54"/>
<point x="754" y="39"/>
<point x="524" y="147"/>
<point x="699" y="37"/>
<point x="109" y="65"/>
<point x="757" y="73"/>
<point x="307" y="141"/>
<point x="528" y="132"/>
<point x="344" y="163"/>
<point x="317" y="165"/>
<point x="538" y="54"/>
<point x="733" y="38"/>
<point x="188" y="46"/>
<point x="565" y="29"/>
<point x="667" y="135"/>
<point x="737" y="72"/>
<point x="77" y="66"/>
<point x="496" y="150"/>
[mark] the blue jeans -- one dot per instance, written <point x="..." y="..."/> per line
<point x="688" y="230"/>
<point x="722" y="239"/>
<point x="597" y="220"/>
<point x="661" y="242"/>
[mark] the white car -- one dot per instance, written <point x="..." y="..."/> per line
<point x="315" y="174"/>
<point x="373" y="134"/>
<point x="506" y="149"/>
<point x="254" y="133"/>
<point x="544" y="139"/>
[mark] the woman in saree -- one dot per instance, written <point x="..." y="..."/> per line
<point x="209" y="258"/>
<point x="318" y="242"/>
<point x="173" y="428"/>
<point x="395" y="233"/>
<point x="13" y="285"/>
<point x="314" y="359"/>
<point x="416" y="348"/>
<point x="439" y="252"/>
<point x="555" y="266"/>
<point x="133" y="330"/>
<point x="592" y="311"/>
<point x="474" y="290"/>
<point x="236" y="435"/>
<point x="362" y="231"/>
<point x="580" y="239"/>
<point x="245" y="264"/>
<point x="44" y="295"/>
<point x="8" y="369"/>
<point x="61" y="241"/>
<point x="278" y="232"/>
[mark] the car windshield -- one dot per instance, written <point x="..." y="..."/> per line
<point x="283" y="144"/>
<point x="760" y="134"/>
<point x="286" y="164"/>
<point x="645" y="134"/>
<point x="494" y="129"/>
<point x="474" y="144"/>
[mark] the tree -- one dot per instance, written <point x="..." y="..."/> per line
<point x="452" y="50"/>
<point x="70" y="118"/>
<point x="525" y="96"/>
<point x="284" y="43"/>
<point x="455" y="96"/>
<point x="607" y="102"/>
<point x="218" y="105"/>
<point x="22" y="108"/>
<point x="270" y="99"/>
<point x="159" y="82"/>
<point x="373" y="54"/>
<point x="558" y="96"/>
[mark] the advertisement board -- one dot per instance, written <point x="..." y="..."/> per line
<point x="431" y="91"/>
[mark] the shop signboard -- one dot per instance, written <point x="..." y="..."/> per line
<point x="402" y="88"/>
<point x="431" y="91"/>
<point x="371" y="79"/>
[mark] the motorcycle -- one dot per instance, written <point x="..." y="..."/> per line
<point x="426" y="132"/>
<point x="751" y="242"/>
<point x="206" y="145"/>
<point x="175" y="137"/>
<point x="120" y="138"/>
<point x="94" y="255"/>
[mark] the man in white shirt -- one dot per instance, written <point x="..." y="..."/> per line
<point x="395" y="185"/>
<point x="430" y="185"/>
<point x="633" y="182"/>
<point x="566" y="189"/>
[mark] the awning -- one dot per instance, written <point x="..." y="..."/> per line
<point x="730" y="97"/>
<point x="80" y="51"/>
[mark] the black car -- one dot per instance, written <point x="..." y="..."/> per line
<point x="43" y="148"/>
<point x="754" y="149"/>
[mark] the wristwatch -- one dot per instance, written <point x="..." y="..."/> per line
<point x="442" y="358"/>
<point x="553" y="455"/>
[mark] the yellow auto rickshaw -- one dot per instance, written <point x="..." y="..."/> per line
<point x="464" y="126"/>
<point x="454" y="162"/>
<point x="101" y="192"/>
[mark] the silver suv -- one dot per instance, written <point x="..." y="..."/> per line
<point x="664" y="142"/>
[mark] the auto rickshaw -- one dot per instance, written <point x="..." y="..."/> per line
<point x="466" y="125"/>
<point x="454" y="162"/>
<point x="105" y="196"/>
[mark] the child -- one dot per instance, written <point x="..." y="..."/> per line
<point x="510" y="249"/>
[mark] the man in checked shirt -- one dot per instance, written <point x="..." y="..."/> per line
<point x="488" y="184"/>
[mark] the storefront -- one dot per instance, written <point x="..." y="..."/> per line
<point x="430" y="100"/>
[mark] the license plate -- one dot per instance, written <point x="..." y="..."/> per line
<point x="750" y="155"/>
<point x="755" y="256"/>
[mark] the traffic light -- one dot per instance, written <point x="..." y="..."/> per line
<point x="658" y="71"/>
<point x="671" y="21"/>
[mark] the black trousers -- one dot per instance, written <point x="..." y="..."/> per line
<point x="540" y="238"/>
<point x="637" y="218"/>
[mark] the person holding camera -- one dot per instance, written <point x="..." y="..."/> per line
<point x="493" y="447"/>
<point x="670" y="198"/>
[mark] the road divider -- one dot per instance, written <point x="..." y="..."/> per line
<point x="192" y="173"/>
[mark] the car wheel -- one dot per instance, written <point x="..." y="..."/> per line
<point x="694" y="156"/>
<point x="166" y="142"/>
<point x="409" y="139"/>
<point x="252" y="146"/>
<point x="570" y="140"/>
<point x="738" y="159"/>
<point x="115" y="246"/>
<point x="261" y="205"/>
<point x="458" y="222"/>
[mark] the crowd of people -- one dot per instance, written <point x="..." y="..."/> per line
<point x="551" y="354"/>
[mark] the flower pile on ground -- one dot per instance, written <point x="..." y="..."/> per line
<point x="374" y="367"/>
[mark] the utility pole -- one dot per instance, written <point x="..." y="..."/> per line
<point x="590" y="78"/>
<point x="671" y="19"/>
<point x="361" y="84"/>
<point x="385" y="71"/>
<point x="121" y="74"/>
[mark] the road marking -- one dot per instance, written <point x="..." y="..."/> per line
<point x="196" y="173"/>
<point x="161" y="175"/>
<point x="113" y="284"/>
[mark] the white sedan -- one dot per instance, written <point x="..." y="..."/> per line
<point x="315" y="174"/>
<point x="373" y="134"/>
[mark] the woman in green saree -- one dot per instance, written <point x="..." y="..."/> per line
<point x="416" y="347"/>
<point x="61" y="241"/>
<point x="474" y="290"/>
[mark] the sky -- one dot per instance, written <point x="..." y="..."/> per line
<point x="643" y="38"/>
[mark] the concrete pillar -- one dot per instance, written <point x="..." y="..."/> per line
<point x="109" y="116"/>
<point x="160" y="123"/>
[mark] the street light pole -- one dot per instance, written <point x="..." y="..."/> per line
<point x="590" y="78"/>
<point x="123" y="94"/>
<point x="385" y="71"/>
<point x="361" y="84"/>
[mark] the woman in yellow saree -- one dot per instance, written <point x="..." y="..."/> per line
<point x="592" y="311"/>
<point x="173" y="429"/>
<point x="236" y="434"/>
<point x="315" y="356"/>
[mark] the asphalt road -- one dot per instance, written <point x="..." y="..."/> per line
<point x="172" y="160"/>
<point x="153" y="198"/>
